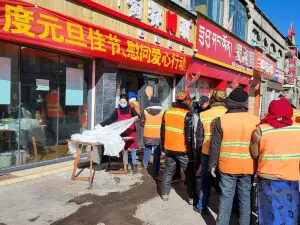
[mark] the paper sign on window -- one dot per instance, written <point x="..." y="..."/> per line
<point x="74" y="87"/>
<point x="5" y="80"/>
<point x="42" y="85"/>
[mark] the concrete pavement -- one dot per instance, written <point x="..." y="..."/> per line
<point x="113" y="200"/>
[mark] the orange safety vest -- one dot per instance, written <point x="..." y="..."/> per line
<point x="237" y="130"/>
<point x="84" y="118"/>
<point x="280" y="152"/>
<point x="152" y="124"/>
<point x="208" y="119"/>
<point x="296" y="115"/>
<point x="174" y="130"/>
<point x="53" y="107"/>
<point x="38" y="115"/>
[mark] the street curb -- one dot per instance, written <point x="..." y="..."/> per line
<point x="34" y="176"/>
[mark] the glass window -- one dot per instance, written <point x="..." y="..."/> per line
<point x="9" y="105"/>
<point x="39" y="77"/>
<point x="47" y="103"/>
<point x="273" y="50"/>
<point x="240" y="19"/>
<point x="255" y="38"/>
<point x="266" y="45"/>
<point x="73" y="83"/>
<point x="280" y="61"/>
<point x="214" y="9"/>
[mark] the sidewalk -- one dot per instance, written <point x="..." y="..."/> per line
<point x="113" y="200"/>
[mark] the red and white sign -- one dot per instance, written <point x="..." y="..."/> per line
<point x="25" y="23"/>
<point x="217" y="46"/>
<point x="171" y="22"/>
<point x="292" y="65"/>
<point x="264" y="65"/>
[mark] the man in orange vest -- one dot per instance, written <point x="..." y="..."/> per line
<point x="177" y="142"/>
<point x="151" y="121"/>
<point x="217" y="109"/>
<point x="230" y="152"/>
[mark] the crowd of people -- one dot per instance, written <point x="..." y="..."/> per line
<point x="232" y="147"/>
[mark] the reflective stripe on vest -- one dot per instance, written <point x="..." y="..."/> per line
<point x="237" y="130"/>
<point x="174" y="130"/>
<point x="152" y="125"/>
<point x="235" y="144"/>
<point x="280" y="152"/>
<point x="208" y="120"/>
<point x="235" y="155"/>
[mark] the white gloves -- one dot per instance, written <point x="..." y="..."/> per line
<point x="213" y="172"/>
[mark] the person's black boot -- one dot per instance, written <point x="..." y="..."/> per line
<point x="134" y="169"/>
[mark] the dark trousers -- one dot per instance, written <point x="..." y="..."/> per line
<point x="229" y="184"/>
<point x="170" y="169"/>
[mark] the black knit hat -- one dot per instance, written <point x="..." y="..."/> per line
<point x="238" y="95"/>
<point x="155" y="100"/>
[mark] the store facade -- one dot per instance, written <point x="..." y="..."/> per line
<point x="219" y="59"/>
<point x="261" y="85"/>
<point x="63" y="74"/>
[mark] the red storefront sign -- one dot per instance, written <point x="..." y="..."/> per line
<point x="292" y="65"/>
<point x="25" y="23"/>
<point x="219" y="47"/>
<point x="264" y="65"/>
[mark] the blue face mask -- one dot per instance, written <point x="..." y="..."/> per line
<point x="123" y="105"/>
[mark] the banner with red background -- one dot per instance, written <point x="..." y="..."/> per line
<point x="217" y="46"/>
<point x="29" y="24"/>
<point x="263" y="65"/>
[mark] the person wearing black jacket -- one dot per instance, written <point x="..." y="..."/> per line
<point x="177" y="140"/>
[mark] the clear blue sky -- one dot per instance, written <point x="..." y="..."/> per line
<point x="282" y="13"/>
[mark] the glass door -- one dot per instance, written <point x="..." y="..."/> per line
<point x="39" y="78"/>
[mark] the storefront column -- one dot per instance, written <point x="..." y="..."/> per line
<point x="92" y="98"/>
<point x="106" y="74"/>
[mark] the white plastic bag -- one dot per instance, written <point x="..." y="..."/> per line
<point x="108" y="135"/>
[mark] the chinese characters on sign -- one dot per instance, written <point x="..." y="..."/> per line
<point x="218" y="46"/>
<point x="62" y="32"/>
<point x="155" y="14"/>
<point x="292" y="65"/>
<point x="135" y="9"/>
<point x="171" y="22"/>
<point x="264" y="65"/>
<point x="184" y="29"/>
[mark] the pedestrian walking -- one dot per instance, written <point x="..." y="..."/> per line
<point x="123" y="112"/>
<point x="151" y="121"/>
<point x="208" y="118"/>
<point x="230" y="152"/>
<point x="177" y="142"/>
<point x="276" y="145"/>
